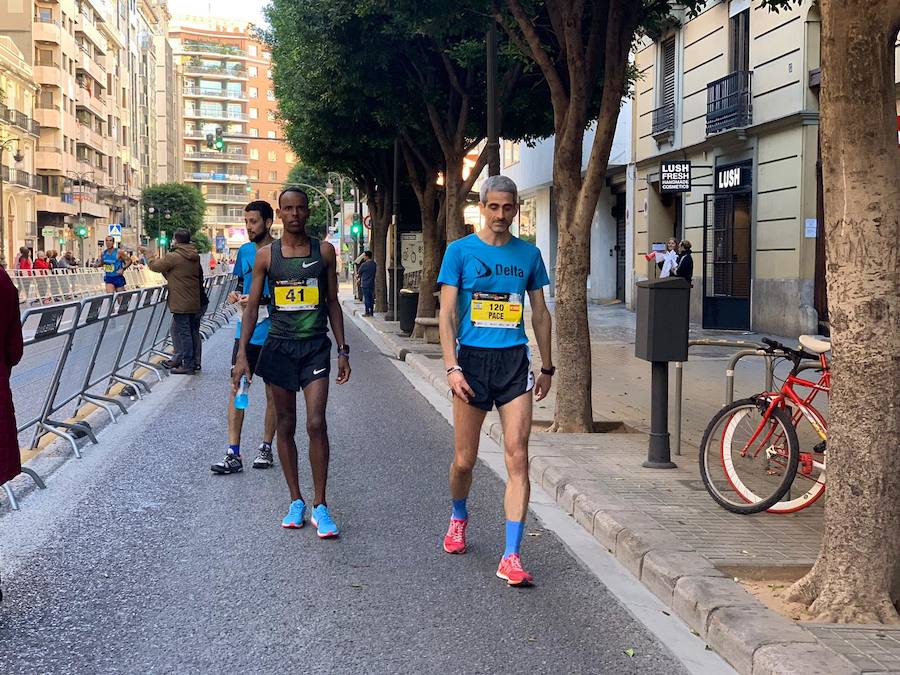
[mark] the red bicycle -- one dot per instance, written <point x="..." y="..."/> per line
<point x="754" y="449"/>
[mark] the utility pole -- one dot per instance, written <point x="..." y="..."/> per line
<point x="493" y="137"/>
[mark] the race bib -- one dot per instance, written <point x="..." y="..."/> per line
<point x="496" y="310"/>
<point x="108" y="268"/>
<point x="296" y="296"/>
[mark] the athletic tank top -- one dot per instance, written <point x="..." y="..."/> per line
<point x="112" y="266"/>
<point x="298" y="286"/>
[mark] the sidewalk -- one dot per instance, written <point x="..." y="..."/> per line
<point x="661" y="525"/>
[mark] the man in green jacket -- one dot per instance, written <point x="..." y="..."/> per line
<point x="181" y="268"/>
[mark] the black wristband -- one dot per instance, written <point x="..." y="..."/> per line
<point x="549" y="371"/>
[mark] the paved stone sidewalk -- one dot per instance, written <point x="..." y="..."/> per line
<point x="661" y="524"/>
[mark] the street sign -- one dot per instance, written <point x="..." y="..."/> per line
<point x="675" y="176"/>
<point x="48" y="232"/>
<point x="367" y="221"/>
<point x="220" y="244"/>
<point x="115" y="230"/>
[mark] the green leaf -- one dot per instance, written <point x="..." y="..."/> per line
<point x="629" y="652"/>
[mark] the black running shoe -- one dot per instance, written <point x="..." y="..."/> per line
<point x="264" y="458"/>
<point x="231" y="464"/>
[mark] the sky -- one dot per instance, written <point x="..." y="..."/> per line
<point x="248" y="10"/>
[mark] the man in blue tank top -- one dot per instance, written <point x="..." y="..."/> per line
<point x="114" y="263"/>
<point x="485" y="278"/>
<point x="258" y="216"/>
<point x="301" y="273"/>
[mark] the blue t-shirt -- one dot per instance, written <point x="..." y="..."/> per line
<point x="492" y="283"/>
<point x="243" y="268"/>
<point x="112" y="266"/>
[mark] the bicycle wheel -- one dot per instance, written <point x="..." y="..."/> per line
<point x="747" y="461"/>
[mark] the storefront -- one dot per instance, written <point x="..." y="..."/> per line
<point x="727" y="248"/>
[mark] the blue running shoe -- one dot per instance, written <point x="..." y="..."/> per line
<point x="321" y="520"/>
<point x="294" y="518"/>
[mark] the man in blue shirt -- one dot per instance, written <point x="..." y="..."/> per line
<point x="258" y="217"/>
<point x="485" y="277"/>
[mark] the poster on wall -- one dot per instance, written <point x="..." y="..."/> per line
<point x="675" y="176"/>
<point x="412" y="250"/>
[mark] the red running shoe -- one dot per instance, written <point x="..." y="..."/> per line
<point x="511" y="571"/>
<point x="455" y="540"/>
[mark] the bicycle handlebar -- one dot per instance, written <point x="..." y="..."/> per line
<point x="796" y="354"/>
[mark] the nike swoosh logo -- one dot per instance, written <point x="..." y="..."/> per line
<point x="305" y="265"/>
<point x="486" y="272"/>
<point x="319" y="371"/>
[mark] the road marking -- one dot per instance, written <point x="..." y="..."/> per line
<point x="658" y="619"/>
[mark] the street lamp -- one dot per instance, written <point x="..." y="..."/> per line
<point x="163" y="240"/>
<point x="80" y="176"/>
<point x="17" y="157"/>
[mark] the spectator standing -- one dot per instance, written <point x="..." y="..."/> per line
<point x="23" y="260"/>
<point x="10" y="355"/>
<point x="685" y="266"/>
<point x="212" y="264"/>
<point x="181" y="268"/>
<point x="63" y="261"/>
<point x="52" y="259"/>
<point x="365" y="276"/>
<point x="42" y="263"/>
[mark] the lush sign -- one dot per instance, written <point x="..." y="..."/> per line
<point x="675" y="176"/>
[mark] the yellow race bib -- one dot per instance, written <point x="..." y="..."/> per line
<point x="296" y="296"/>
<point x="496" y="310"/>
<point x="109" y="269"/>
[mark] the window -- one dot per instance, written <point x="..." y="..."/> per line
<point x="254" y="113"/>
<point x="667" y="73"/>
<point x="740" y="41"/>
<point x="254" y="174"/>
<point x="254" y="153"/>
<point x="253" y="50"/>
<point x="273" y="156"/>
<point x="45" y="15"/>
<point x="273" y="176"/>
<point x="253" y="71"/>
<point x="267" y="56"/>
<point x="253" y="92"/>
<point x="271" y="134"/>
<point x="269" y="73"/>
<point x="270" y="115"/>
<point x="270" y="95"/>
<point x="289" y="157"/>
<point x="254" y="132"/>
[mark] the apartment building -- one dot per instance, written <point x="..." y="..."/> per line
<point x="96" y="71"/>
<point x="228" y="96"/>
<point x="725" y="148"/>
<point x="19" y="185"/>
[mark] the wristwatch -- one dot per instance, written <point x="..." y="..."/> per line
<point x="344" y="350"/>
<point x="549" y="371"/>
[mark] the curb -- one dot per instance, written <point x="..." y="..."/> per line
<point x="751" y="637"/>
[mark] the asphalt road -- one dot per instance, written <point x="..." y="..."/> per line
<point x="138" y="559"/>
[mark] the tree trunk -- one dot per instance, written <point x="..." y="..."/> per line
<point x="455" y="200"/>
<point x="573" y="341"/>
<point x="431" y="265"/>
<point x="855" y="573"/>
<point x="380" y="222"/>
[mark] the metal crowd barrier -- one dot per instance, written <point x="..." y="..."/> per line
<point x="37" y="287"/>
<point x="76" y="352"/>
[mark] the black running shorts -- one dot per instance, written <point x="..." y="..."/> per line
<point x="497" y="376"/>
<point x="252" y="355"/>
<point x="294" y="364"/>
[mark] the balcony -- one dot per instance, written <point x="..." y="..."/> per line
<point x="54" y="204"/>
<point x="30" y="228"/>
<point x="20" y="178"/>
<point x="93" y="139"/>
<point x="193" y="47"/>
<point x="19" y="119"/>
<point x="91" y="67"/>
<point x="226" y="197"/>
<point x="217" y="177"/>
<point x="46" y="30"/>
<point x="215" y="71"/>
<point x="728" y="103"/>
<point x="48" y="158"/>
<point x="212" y="114"/>
<point x="223" y="220"/>
<point x="96" y="105"/>
<point x="217" y="156"/>
<point x="90" y="31"/>
<point x="210" y="92"/>
<point x="48" y="117"/>
<point x="664" y="123"/>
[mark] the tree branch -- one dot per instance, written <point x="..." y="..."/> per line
<point x="480" y="163"/>
<point x="557" y="88"/>
<point x="451" y="71"/>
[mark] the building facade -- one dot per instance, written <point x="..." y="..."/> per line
<point x="228" y="104"/>
<point x="95" y="66"/>
<point x="734" y="93"/>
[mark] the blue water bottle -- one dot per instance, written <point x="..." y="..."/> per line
<point x="241" y="399"/>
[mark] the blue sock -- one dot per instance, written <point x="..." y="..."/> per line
<point x="514" y="531"/>
<point x="235" y="450"/>
<point x="460" y="512"/>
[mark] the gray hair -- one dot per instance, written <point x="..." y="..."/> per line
<point x="498" y="184"/>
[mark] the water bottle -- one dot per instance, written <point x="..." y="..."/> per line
<point x="241" y="399"/>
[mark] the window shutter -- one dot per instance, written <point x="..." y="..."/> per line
<point x="668" y="72"/>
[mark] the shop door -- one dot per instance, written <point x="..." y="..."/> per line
<point x="726" y="261"/>
<point x="620" y="247"/>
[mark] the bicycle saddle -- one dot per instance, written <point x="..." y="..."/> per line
<point x="815" y="345"/>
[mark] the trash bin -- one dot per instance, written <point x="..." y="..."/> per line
<point x="663" y="319"/>
<point x="409" y="302"/>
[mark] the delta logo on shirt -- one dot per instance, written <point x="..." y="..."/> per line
<point x="484" y="270"/>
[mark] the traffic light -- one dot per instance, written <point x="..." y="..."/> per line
<point x="356" y="229"/>
<point x="163" y="239"/>
<point x="81" y="230"/>
<point x="220" y="142"/>
<point x="209" y="141"/>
